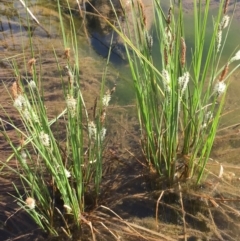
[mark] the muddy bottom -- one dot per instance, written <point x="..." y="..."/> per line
<point x="137" y="205"/>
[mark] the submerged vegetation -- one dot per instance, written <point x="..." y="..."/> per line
<point x="180" y="97"/>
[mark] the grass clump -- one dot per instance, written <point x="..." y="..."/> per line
<point x="181" y="92"/>
<point x="59" y="159"/>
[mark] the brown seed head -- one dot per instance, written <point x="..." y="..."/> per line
<point x="16" y="88"/>
<point x="70" y="76"/>
<point x="113" y="89"/>
<point x="31" y="63"/>
<point x="183" y="52"/>
<point x="225" y="6"/>
<point x="103" y="116"/>
<point x="224" y="72"/>
<point x="169" y="16"/>
<point x="67" y="53"/>
<point x="141" y="8"/>
<point x="165" y="55"/>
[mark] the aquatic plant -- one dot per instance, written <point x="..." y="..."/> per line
<point x="59" y="160"/>
<point x="181" y="89"/>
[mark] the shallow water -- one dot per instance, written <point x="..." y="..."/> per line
<point x="14" y="44"/>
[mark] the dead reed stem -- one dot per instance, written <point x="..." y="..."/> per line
<point x="159" y="199"/>
<point x="84" y="19"/>
<point x="183" y="212"/>
<point x="213" y="223"/>
<point x="128" y="224"/>
<point x="116" y="237"/>
<point x="33" y="17"/>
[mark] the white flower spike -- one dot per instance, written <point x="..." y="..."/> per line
<point x="235" y="57"/>
<point x="106" y="98"/>
<point x="220" y="88"/>
<point x="44" y="138"/>
<point x="71" y="105"/>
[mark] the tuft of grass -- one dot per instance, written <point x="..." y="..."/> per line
<point x="57" y="169"/>
<point x="180" y="94"/>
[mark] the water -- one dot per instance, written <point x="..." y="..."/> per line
<point x="14" y="44"/>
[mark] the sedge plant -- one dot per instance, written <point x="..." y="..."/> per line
<point x="181" y="92"/>
<point x="59" y="168"/>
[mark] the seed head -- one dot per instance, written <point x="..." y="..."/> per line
<point x="92" y="130"/>
<point x="113" y="89"/>
<point x="29" y="114"/>
<point x="30" y="203"/>
<point x="19" y="102"/>
<point x="103" y="116"/>
<point x="103" y="133"/>
<point x="219" y="88"/>
<point x="168" y="35"/>
<point x="24" y="156"/>
<point x="224" y="23"/>
<point x="32" y="84"/>
<point x="166" y="77"/>
<point x="67" y="53"/>
<point x="166" y="80"/>
<point x="235" y="57"/>
<point x="44" y="138"/>
<point x="166" y="55"/>
<point x="16" y="88"/>
<point x="169" y="16"/>
<point x="208" y="116"/>
<point x="70" y="76"/>
<point x="183" y="82"/>
<point x="67" y="173"/>
<point x="224" y="72"/>
<point x="26" y="114"/>
<point x="106" y="98"/>
<point x="141" y="8"/>
<point x="183" y="52"/>
<point x="31" y="63"/>
<point x="71" y="105"/>
<point x="219" y="40"/>
<point x="225" y="6"/>
<point x="149" y="40"/>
